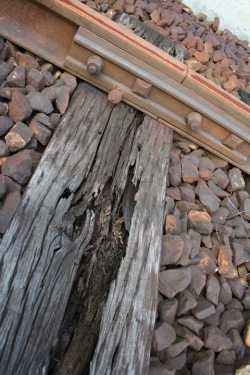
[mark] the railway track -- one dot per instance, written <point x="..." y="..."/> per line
<point x="68" y="34"/>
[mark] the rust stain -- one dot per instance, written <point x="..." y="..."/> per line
<point x="223" y="95"/>
<point x="121" y="35"/>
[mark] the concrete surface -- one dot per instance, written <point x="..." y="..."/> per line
<point x="234" y="14"/>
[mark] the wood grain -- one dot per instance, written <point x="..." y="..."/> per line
<point x="41" y="250"/>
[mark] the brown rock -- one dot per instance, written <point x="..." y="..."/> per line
<point x="186" y="302"/>
<point x="174" y="192"/>
<point x="55" y="118"/>
<point x="230" y="85"/>
<point x="157" y="368"/>
<point x="44" y="120"/>
<point x="49" y="93"/>
<point x="176" y="363"/>
<point x="203" y="363"/>
<point x="207" y="262"/>
<point x="193" y="64"/>
<point x="207" y="198"/>
<point x="19" y="108"/>
<point x="3" y="186"/>
<point x="200" y="221"/>
<point x="193" y="159"/>
<point x="205" y="175"/>
<point x="4" y="151"/>
<point x="226" y="357"/>
<point x="11" y="185"/>
<point x="7" y="92"/>
<point x="187" y="194"/>
<point x="213" y="320"/>
<point x="238" y="253"/>
<point x="222" y="178"/>
<point x="194" y="341"/>
<point x="206" y="163"/>
<point x="69" y="81"/>
<point x="184" y="258"/>
<point x="18" y="167"/>
<point x="198" y="281"/>
<point x="169" y="206"/>
<point x="238" y="344"/>
<point x="231" y="319"/>
<point x="212" y="290"/>
<point x="189" y="172"/>
<point x="175" y="174"/>
<point x="203" y="309"/>
<point x="32" y="144"/>
<point x="234" y="304"/>
<point x="49" y="79"/>
<point x="217" y="190"/>
<point x="195" y="239"/>
<point x="173" y="350"/>
<point x="186" y="206"/>
<point x="119" y="6"/>
<point x="236" y="287"/>
<point x="202" y="57"/>
<point x="225" y="261"/>
<point x="41" y="132"/>
<point x="167" y="17"/>
<point x="172" y="247"/>
<point x="163" y="336"/>
<point x="172" y="282"/>
<point x="36" y="79"/>
<point x="17" y="77"/>
<point x="220" y="215"/>
<point x="5" y="70"/>
<point x="18" y="137"/>
<point x="236" y="181"/>
<point x="40" y="102"/>
<point x="8" y="208"/>
<point x="167" y="310"/>
<point x="172" y="224"/>
<point x="216" y="340"/>
<point x="225" y="295"/>
<point x="26" y="60"/>
<point x="244" y="208"/>
<point x="246" y="301"/>
<point x="191" y="323"/>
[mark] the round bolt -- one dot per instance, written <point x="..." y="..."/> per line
<point x="115" y="96"/>
<point x="194" y="120"/>
<point x="95" y="64"/>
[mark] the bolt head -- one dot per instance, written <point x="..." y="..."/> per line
<point x="95" y="65"/>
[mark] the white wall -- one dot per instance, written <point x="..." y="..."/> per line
<point x="234" y="14"/>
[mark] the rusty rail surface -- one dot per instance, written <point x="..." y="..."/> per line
<point x="68" y="34"/>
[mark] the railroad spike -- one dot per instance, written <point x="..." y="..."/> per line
<point x="115" y="96"/>
<point x="95" y="64"/>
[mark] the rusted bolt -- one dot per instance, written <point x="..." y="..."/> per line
<point x="115" y="96"/>
<point x="194" y="120"/>
<point x="95" y="64"/>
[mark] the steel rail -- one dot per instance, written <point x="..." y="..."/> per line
<point x="67" y="33"/>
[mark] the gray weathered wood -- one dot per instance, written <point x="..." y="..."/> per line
<point x="41" y="250"/>
<point x="152" y="36"/>
<point x="128" y="319"/>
